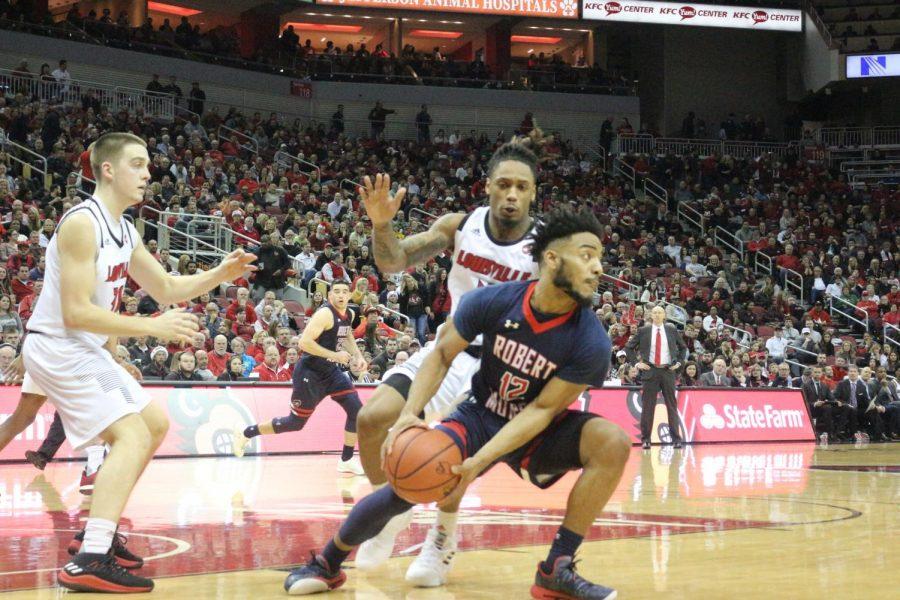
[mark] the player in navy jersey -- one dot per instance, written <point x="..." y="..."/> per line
<point x="542" y="348"/>
<point x="327" y="344"/>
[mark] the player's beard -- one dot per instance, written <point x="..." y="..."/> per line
<point x="563" y="281"/>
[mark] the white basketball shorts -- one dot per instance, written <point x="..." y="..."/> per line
<point x="88" y="388"/>
<point x="30" y="387"/>
<point x="457" y="383"/>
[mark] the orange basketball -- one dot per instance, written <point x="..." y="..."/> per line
<point x="418" y="465"/>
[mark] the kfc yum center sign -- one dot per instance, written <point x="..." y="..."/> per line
<point x="558" y="9"/>
<point x="701" y="15"/>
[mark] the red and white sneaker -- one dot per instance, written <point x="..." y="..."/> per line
<point x="86" y="486"/>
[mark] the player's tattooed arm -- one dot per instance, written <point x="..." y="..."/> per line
<point x="393" y="255"/>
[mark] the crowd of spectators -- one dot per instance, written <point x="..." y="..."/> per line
<point x="304" y="59"/>
<point x="750" y="329"/>
<point x="864" y="22"/>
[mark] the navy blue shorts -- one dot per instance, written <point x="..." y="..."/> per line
<point x="542" y="461"/>
<point x="311" y="386"/>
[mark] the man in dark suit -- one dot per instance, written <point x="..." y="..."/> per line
<point x="820" y="402"/>
<point x="660" y="353"/>
<point x="854" y="393"/>
<point x="716" y="377"/>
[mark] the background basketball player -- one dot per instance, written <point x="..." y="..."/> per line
<point x="327" y="342"/>
<point x="88" y="260"/>
<point x="543" y="347"/>
<point x="490" y="245"/>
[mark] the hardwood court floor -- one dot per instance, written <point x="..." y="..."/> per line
<point x="718" y="521"/>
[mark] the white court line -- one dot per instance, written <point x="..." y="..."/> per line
<point x="181" y="547"/>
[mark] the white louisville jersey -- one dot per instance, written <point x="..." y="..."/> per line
<point x="116" y="240"/>
<point x="480" y="260"/>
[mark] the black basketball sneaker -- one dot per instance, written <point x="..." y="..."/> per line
<point x="124" y="556"/>
<point x="314" y="577"/>
<point x="563" y="583"/>
<point x="101" y="573"/>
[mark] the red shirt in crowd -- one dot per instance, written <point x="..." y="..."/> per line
<point x="21" y="289"/>
<point x="788" y="261"/>
<point x="868" y="306"/>
<point x="85" y="160"/>
<point x="267" y="373"/>
<point x="231" y="311"/>
<point x="217" y="364"/>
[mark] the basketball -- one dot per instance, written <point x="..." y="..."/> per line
<point x="418" y="465"/>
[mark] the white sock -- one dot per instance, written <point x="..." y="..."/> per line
<point x="95" y="456"/>
<point x="446" y="521"/>
<point x="98" y="536"/>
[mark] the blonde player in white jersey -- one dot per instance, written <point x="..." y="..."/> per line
<point x="93" y="251"/>
<point x="490" y="245"/>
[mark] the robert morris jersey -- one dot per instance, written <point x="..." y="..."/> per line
<point x="479" y="259"/>
<point x="330" y="339"/>
<point x="116" y="240"/>
<point x="523" y="350"/>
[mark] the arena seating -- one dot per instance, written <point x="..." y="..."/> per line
<point x="712" y="223"/>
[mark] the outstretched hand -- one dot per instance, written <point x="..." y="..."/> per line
<point x="376" y="197"/>
<point x="235" y="265"/>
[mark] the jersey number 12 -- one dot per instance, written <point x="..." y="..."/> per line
<point x="512" y="387"/>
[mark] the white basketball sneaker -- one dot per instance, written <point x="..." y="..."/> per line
<point x="433" y="563"/>
<point x="239" y="442"/>
<point x="351" y="466"/>
<point x="375" y="552"/>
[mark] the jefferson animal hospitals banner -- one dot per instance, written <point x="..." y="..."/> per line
<point x="203" y="418"/>
<point x="700" y="15"/>
<point x="558" y="9"/>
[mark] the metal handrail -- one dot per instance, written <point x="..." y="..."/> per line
<point x="797" y="285"/>
<point x="315" y="167"/>
<point x="749" y="335"/>
<point x="601" y="154"/>
<point x="847" y="165"/>
<point x="620" y="167"/>
<point x="691" y="215"/>
<point x="5" y="141"/>
<point x="428" y="215"/>
<point x="309" y="285"/>
<point x="864" y="323"/>
<point x="652" y="188"/>
<point x="820" y="25"/>
<point x="356" y="185"/>
<point x="799" y="349"/>
<point x="766" y="267"/>
<point x="632" y="292"/>
<point x="647" y="144"/>
<point x="735" y="244"/>
<point x="211" y="249"/>
<point x="384" y="308"/>
<point x="234" y="132"/>
<point x="230" y="234"/>
<point x="79" y="179"/>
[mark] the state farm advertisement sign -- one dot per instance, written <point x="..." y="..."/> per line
<point x="558" y="9"/>
<point x="709" y="415"/>
<point x="701" y="15"/>
<point x="770" y="415"/>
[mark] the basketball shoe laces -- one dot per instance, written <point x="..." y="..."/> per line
<point x="572" y="581"/>
<point x="438" y="551"/>
<point x="109" y="569"/>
